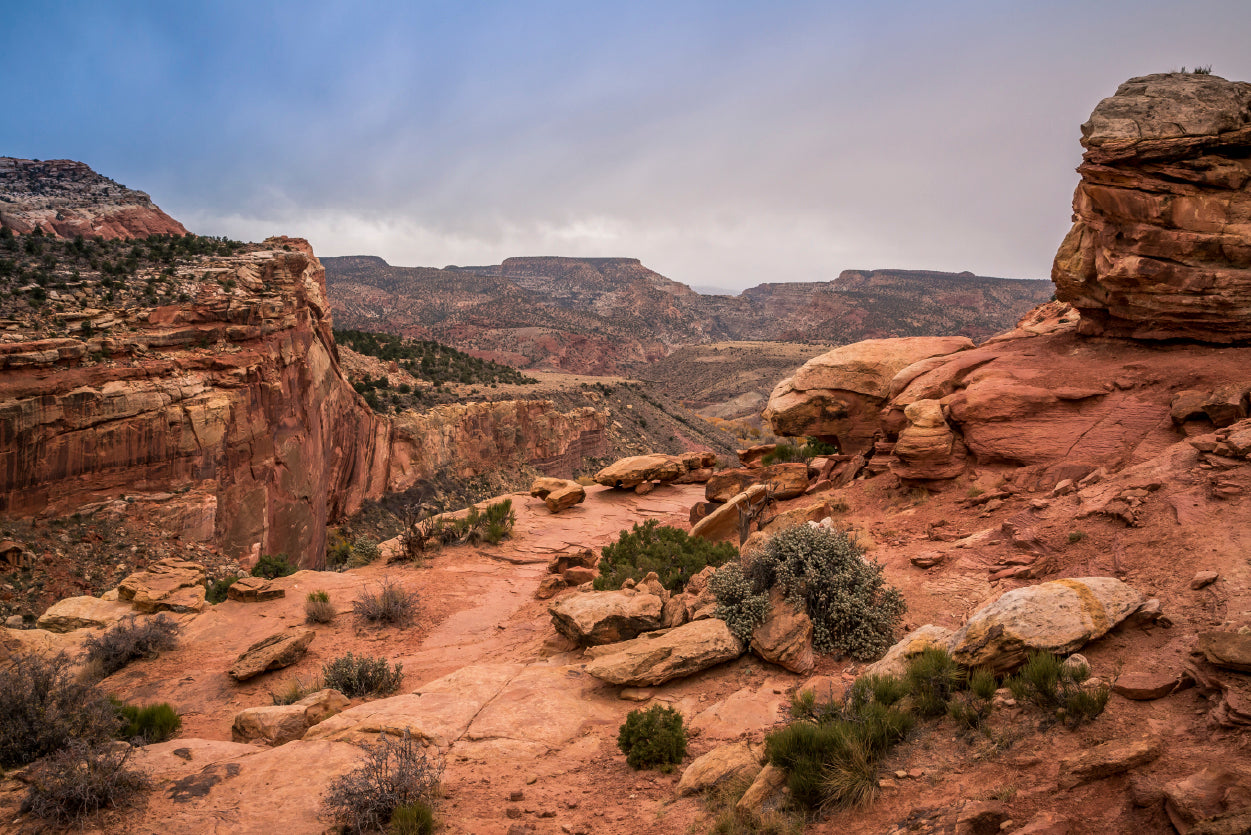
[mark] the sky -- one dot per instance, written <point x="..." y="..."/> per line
<point x="724" y="143"/>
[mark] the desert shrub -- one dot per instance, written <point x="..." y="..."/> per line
<point x="413" y="818"/>
<point x="1038" y="680"/>
<point x="81" y="779"/>
<point x="294" y="690"/>
<point x="933" y="676"/>
<point x="364" y="551"/>
<point x="272" y="566"/>
<point x="653" y="738"/>
<point x="721" y="801"/>
<point x="887" y="689"/>
<point x="738" y="603"/>
<point x="390" y="605"/>
<point x="128" y="640"/>
<point x="318" y="608"/>
<point x="811" y="448"/>
<point x="149" y="724"/>
<point x="1047" y="681"/>
<point x="215" y="590"/>
<point x="852" y="608"/>
<point x="982" y="683"/>
<point x="43" y="708"/>
<point x="356" y="676"/>
<point x="338" y="550"/>
<point x="673" y="554"/>
<point x="1082" y="704"/>
<point x="1076" y="537"/>
<point x="396" y="773"/>
<point x="496" y="523"/>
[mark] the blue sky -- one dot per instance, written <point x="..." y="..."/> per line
<point x="724" y="143"/>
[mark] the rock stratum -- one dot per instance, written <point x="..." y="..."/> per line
<point x="66" y="198"/>
<point x="605" y="315"/>
<point x="1161" y="241"/>
<point x="229" y="419"/>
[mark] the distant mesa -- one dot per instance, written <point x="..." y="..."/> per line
<point x="65" y="198"/>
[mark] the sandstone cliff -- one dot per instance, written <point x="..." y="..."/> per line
<point x="1161" y="243"/>
<point x="66" y="198"/>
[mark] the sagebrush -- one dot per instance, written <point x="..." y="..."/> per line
<point x="398" y="772"/>
<point x="273" y="566"/>
<point x="389" y="605"/>
<point x="130" y="639"/>
<point x="318" y="608"/>
<point x="81" y="779"/>
<point x="355" y="676"/>
<point x="673" y="554"/>
<point x="43" y="708"/>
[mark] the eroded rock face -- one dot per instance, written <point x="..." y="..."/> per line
<point x="836" y="396"/>
<point x="927" y="449"/>
<point x="1059" y="616"/>
<point x="168" y="585"/>
<point x="1161" y="246"/>
<point x="785" y="637"/>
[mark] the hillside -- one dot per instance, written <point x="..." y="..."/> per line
<point x="606" y="315"/>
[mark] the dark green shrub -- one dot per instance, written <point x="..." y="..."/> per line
<point x="272" y="566"/>
<point x="398" y="774"/>
<point x="933" y="676"/>
<point x="338" y="550"/>
<point x="318" y="608"/>
<point x="1052" y="684"/>
<point x="43" y="708"/>
<point x="355" y="676"/>
<point x="785" y="452"/>
<point x="673" y="554"/>
<point x="149" y="724"/>
<point x="653" y="738"/>
<point x="128" y="640"/>
<point x="1038" y="680"/>
<point x="982" y="683"/>
<point x="852" y="608"/>
<point x="81" y="779"/>
<point x="390" y="605"/>
<point x="215" y="590"/>
<point x="739" y="604"/>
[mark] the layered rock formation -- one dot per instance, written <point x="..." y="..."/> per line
<point x="66" y="198"/>
<point x="1161" y="243"/>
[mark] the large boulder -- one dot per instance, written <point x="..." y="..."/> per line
<point x="605" y="617"/>
<point x="276" y="724"/>
<point x="787" y="481"/>
<point x="722" y="524"/>
<point x="254" y="590"/>
<point x="282" y="649"/>
<point x="83" y="613"/>
<point x="168" y="585"/>
<point x="1059" y="616"/>
<point x="658" y="657"/>
<point x="837" y="396"/>
<point x="628" y="473"/>
<point x="719" y="766"/>
<point x="785" y="636"/>
<point x="557" y="493"/>
<point x="1161" y="245"/>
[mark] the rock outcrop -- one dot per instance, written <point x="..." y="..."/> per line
<point x="281" y="649"/>
<point x="1161" y="243"/>
<point x="657" y="657"/>
<point x="606" y="617"/>
<point x="66" y="198"/>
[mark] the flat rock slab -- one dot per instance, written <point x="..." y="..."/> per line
<point x="1059" y="616"/>
<point x="158" y="587"/>
<point x="744" y="711"/>
<point x="279" y="650"/>
<point x="83" y="613"/>
<point x="439" y="712"/>
<point x="1108" y="759"/>
<point x="663" y="656"/>
<point x="895" y="661"/>
<point x="1231" y="650"/>
<point x="1148" y="685"/>
<point x="542" y="709"/>
<point x="606" y="617"/>
<point x="254" y="590"/>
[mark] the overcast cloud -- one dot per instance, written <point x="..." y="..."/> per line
<point x="723" y="143"/>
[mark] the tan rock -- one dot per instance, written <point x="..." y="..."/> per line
<point x="1107" y="759"/>
<point x="765" y="794"/>
<point x="549" y="587"/>
<point x="1231" y="650"/>
<point x="557" y="493"/>
<point x="1059" y="616"/>
<point x="895" y="661"/>
<point x="578" y="575"/>
<point x="785" y="637"/>
<point x="1214" y="791"/>
<point x="718" y="766"/>
<point x="751" y="456"/>
<point x="659" y="657"/>
<point x="282" y="649"/>
<point x="628" y="473"/>
<point x="276" y="724"/>
<point x="254" y="590"/>
<point x="727" y="484"/>
<point x="606" y="617"/>
<point x="82" y="613"/>
<point x="722" y="524"/>
<point x="927" y="449"/>
<point x="157" y="588"/>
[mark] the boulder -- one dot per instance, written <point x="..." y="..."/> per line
<point x="722" y="524"/>
<point x="766" y="793"/>
<point x="628" y="473"/>
<point x="895" y="661"/>
<point x="1107" y="759"/>
<point x="1231" y="650"/>
<point x="727" y="484"/>
<point x="1159" y="247"/>
<point x="698" y="476"/>
<point x="1148" y="685"/>
<point x="276" y="724"/>
<point x="787" y="481"/>
<point x="254" y="590"/>
<point x="83" y="613"/>
<point x="1059" y="616"/>
<point x="167" y="585"/>
<point x="606" y="617"/>
<point x="719" y="766"/>
<point x="578" y="574"/>
<point x="658" y="657"/>
<point x="1214" y="791"/>
<point x="549" y="587"/>
<point x="785" y="636"/>
<point x="557" y="493"/>
<point x="751" y="456"/>
<point x="282" y="649"/>
<point x="927" y="449"/>
<point x="837" y="395"/>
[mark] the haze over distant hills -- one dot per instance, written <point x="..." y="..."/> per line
<point x="602" y="315"/>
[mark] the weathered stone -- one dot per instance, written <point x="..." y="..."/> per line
<point x="82" y="613"/>
<point x="927" y="449"/>
<point x="718" y="766"/>
<point x="1059" y="616"/>
<point x="279" y="650"/>
<point x="1203" y="578"/>
<point x="1214" y="791"/>
<point x="606" y="617"/>
<point x="765" y="794"/>
<point x="276" y="724"/>
<point x="1107" y="759"/>
<point x="1148" y="685"/>
<point x="628" y="473"/>
<point x="722" y="524"/>
<point x="751" y="456"/>
<point x="254" y="590"/>
<point x="895" y="661"/>
<point x="1045" y="823"/>
<point x="1237" y="822"/>
<point x="656" y="658"/>
<point x="158" y="587"/>
<point x="558" y="493"/>
<point x="1231" y="650"/>
<point x="549" y="587"/>
<point x="785" y="637"/>
<point x="577" y="575"/>
<point x="727" y="484"/>
<point x="928" y="559"/>
<point x="981" y="818"/>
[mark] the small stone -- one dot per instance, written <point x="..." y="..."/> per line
<point x="517" y="796"/>
<point x="635" y="694"/>
<point x="512" y="812"/>
<point x="532" y="779"/>
<point x="14" y="622"/>
<point x="1203" y="578"/>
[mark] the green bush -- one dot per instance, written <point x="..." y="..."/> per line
<point x="933" y="676"/>
<point x="673" y="554"/>
<point x="294" y="690"/>
<point x="1047" y="681"/>
<point x="852" y="608"/>
<point x="785" y="452"/>
<point x="130" y="639"/>
<point x="318" y="608"/>
<point x="81" y="779"/>
<point x="398" y="778"/>
<point x="216" y="590"/>
<point x="364" y="551"/>
<point x="653" y="738"/>
<point x="738" y="603"/>
<point x="43" y="708"/>
<point x="272" y="566"/>
<point x="151" y="723"/>
<point x="355" y="676"/>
